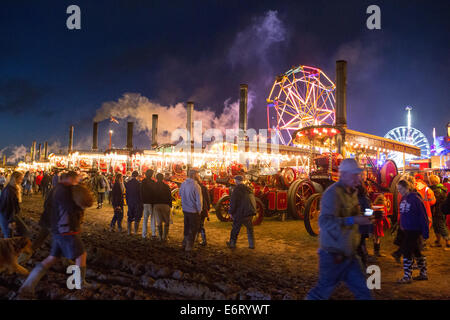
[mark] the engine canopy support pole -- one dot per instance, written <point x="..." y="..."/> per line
<point x="189" y="128"/>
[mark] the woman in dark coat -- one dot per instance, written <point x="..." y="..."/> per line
<point x="10" y="207"/>
<point x="117" y="202"/>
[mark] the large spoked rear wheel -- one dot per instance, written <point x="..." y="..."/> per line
<point x="312" y="211"/>
<point x="222" y="207"/>
<point x="258" y="218"/>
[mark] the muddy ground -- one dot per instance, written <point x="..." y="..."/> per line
<point x="283" y="265"/>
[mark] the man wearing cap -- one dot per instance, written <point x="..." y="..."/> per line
<point x="191" y="203"/>
<point x="339" y="218"/>
<point x="242" y="210"/>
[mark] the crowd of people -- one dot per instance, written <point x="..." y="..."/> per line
<point x="343" y="223"/>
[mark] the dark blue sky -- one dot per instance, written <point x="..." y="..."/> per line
<point x="172" y="51"/>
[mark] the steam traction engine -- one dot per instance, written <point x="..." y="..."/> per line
<point x="306" y="194"/>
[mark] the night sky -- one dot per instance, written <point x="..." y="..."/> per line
<point x="174" y="51"/>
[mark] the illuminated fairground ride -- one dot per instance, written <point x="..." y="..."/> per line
<point x="301" y="97"/>
<point x="408" y="135"/>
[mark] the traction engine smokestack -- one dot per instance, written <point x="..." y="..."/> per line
<point x="33" y="151"/>
<point x="189" y="128"/>
<point x="70" y="139"/>
<point x="243" y="111"/>
<point x="341" y="93"/>
<point x="154" y="130"/>
<point x="39" y="153"/>
<point x="95" y="136"/>
<point x="341" y="103"/>
<point x="130" y="135"/>
<point x="45" y="150"/>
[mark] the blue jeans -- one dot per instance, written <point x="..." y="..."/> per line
<point x="331" y="273"/>
<point x="21" y="227"/>
<point x="117" y="218"/>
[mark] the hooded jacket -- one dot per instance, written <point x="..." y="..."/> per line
<point x="413" y="215"/>
<point x="191" y="196"/>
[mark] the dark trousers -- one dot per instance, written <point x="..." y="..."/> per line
<point x="134" y="212"/>
<point x="362" y="249"/>
<point x="237" y="224"/>
<point x="44" y="191"/>
<point x="411" y="244"/>
<point x="100" y="197"/>
<point x="191" y="227"/>
<point x="117" y="218"/>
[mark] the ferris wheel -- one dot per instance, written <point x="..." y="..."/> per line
<point x="409" y="135"/>
<point x="301" y="97"/>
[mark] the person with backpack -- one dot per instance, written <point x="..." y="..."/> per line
<point x="242" y="210"/>
<point x="439" y="225"/>
<point x="101" y="186"/>
<point x="66" y="217"/>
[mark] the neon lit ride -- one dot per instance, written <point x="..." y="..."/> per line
<point x="302" y="97"/>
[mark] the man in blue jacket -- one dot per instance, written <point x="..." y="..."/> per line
<point x="340" y="215"/>
<point x="134" y="203"/>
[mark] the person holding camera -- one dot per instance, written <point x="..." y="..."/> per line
<point x="340" y="215"/>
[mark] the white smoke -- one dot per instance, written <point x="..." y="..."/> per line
<point x="254" y="43"/>
<point x="140" y="109"/>
<point x="14" y="154"/>
<point x="53" y="147"/>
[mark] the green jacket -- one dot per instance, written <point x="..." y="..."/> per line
<point x="336" y="234"/>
